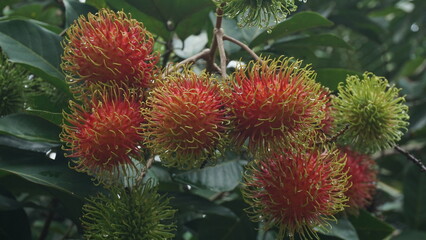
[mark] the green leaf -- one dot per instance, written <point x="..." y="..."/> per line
<point x="410" y="235"/>
<point x="328" y="40"/>
<point x="38" y="168"/>
<point x="18" y="143"/>
<point x="331" y="77"/>
<point x="194" y="207"/>
<point x="222" y="177"/>
<point x="369" y="227"/>
<point x="342" y="229"/>
<point x="298" y="22"/>
<point x="74" y="8"/>
<point x="415" y="198"/>
<point x="55" y="118"/>
<point x="151" y="23"/>
<point x="36" y="47"/>
<point x="186" y="17"/>
<point x="29" y="127"/>
<point x="14" y="225"/>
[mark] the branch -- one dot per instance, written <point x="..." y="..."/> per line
<point x="201" y="55"/>
<point x="411" y="158"/>
<point x="243" y="46"/>
<point x="214" y="45"/>
<point x="222" y="54"/>
<point x="49" y="219"/>
<point x="335" y="136"/>
<point x="145" y="170"/>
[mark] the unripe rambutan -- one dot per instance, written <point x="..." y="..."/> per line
<point x="258" y="12"/>
<point x="104" y="133"/>
<point x="296" y="190"/>
<point x="136" y="213"/>
<point x="273" y="101"/>
<point x="186" y="119"/>
<point x="109" y="47"/>
<point x="373" y="112"/>
<point x="363" y="175"/>
<point x="12" y="79"/>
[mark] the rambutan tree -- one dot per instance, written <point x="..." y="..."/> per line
<point x="212" y="119"/>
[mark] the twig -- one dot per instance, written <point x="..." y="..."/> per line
<point x="335" y="136"/>
<point x="201" y="55"/>
<point x="145" y="170"/>
<point x="49" y="218"/>
<point x="243" y="46"/>
<point x="221" y="48"/>
<point x="214" y="45"/>
<point x="411" y="158"/>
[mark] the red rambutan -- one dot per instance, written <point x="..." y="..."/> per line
<point x="103" y="134"/>
<point x="186" y="119"/>
<point x="296" y="190"/>
<point x="273" y="101"/>
<point x="362" y="170"/>
<point x="109" y="47"/>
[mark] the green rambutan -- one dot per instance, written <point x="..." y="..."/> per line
<point x="371" y="110"/>
<point x="132" y="213"/>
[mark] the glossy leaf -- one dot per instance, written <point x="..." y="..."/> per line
<point x="194" y="207"/>
<point x="40" y="169"/>
<point x="14" y="225"/>
<point x="415" y="198"/>
<point x="34" y="46"/>
<point x="18" y="143"/>
<point x="342" y="229"/>
<point x="298" y="22"/>
<point x="325" y="39"/>
<point x="331" y="77"/>
<point x="74" y="9"/>
<point x="410" y="235"/>
<point x="222" y="177"/>
<point x="55" y="118"/>
<point x="29" y="127"/>
<point x="369" y="227"/>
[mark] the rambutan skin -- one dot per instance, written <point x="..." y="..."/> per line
<point x="272" y="102"/>
<point x="362" y="170"/>
<point x="104" y="132"/>
<point x="187" y="119"/>
<point x="373" y="112"/>
<point x="109" y="47"/>
<point x="133" y="213"/>
<point x="296" y="190"/>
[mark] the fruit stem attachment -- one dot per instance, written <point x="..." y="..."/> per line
<point x="243" y="46"/>
<point x="412" y="158"/>
<point x="145" y="170"/>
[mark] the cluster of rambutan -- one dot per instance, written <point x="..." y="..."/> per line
<point x="125" y="108"/>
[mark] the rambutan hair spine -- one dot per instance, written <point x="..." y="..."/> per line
<point x="102" y="133"/>
<point x="109" y="47"/>
<point x="298" y="190"/>
<point x="272" y="102"/>
<point x="187" y="119"/>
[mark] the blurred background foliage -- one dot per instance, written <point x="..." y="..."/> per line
<point x="41" y="198"/>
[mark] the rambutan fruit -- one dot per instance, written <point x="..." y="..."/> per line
<point x="273" y="101"/>
<point x="187" y="119"/>
<point x="104" y="132"/>
<point x="296" y="190"/>
<point x="258" y="12"/>
<point x="371" y="110"/>
<point x="132" y="213"/>
<point x="362" y="170"/>
<point x="12" y="91"/>
<point x="109" y="47"/>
